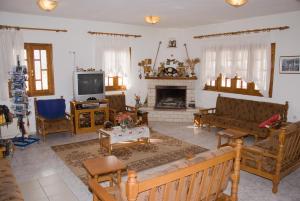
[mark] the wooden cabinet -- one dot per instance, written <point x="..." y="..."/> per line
<point x="89" y="116"/>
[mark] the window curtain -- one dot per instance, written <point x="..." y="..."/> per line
<point x="113" y="56"/>
<point x="12" y="45"/>
<point x="251" y="62"/>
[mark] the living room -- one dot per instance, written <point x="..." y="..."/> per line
<point x="43" y="171"/>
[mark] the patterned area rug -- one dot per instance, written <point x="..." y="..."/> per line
<point x="162" y="150"/>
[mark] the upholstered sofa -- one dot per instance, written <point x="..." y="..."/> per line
<point x="244" y="115"/>
<point x="204" y="177"/>
<point x="274" y="157"/>
<point x="9" y="190"/>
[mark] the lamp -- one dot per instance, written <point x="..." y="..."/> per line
<point x="47" y="5"/>
<point x="152" y="19"/>
<point x="236" y="3"/>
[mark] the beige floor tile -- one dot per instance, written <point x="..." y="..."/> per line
<point x="34" y="194"/>
<point x="56" y="188"/>
<point x="67" y="196"/>
<point x="44" y="181"/>
<point x="30" y="185"/>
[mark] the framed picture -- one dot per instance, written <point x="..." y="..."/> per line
<point x="289" y="64"/>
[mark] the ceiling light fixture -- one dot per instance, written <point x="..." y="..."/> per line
<point x="236" y="3"/>
<point x="152" y="19"/>
<point x="47" y="5"/>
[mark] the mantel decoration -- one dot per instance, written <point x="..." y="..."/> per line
<point x="170" y="68"/>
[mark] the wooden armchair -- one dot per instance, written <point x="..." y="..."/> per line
<point x="51" y="117"/>
<point x="204" y="177"/>
<point x="117" y="105"/>
<point x="274" y="157"/>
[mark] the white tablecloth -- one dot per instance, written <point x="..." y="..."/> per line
<point x="117" y="135"/>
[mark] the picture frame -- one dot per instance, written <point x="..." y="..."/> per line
<point x="289" y="65"/>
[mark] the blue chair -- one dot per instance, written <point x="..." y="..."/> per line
<point x="51" y="117"/>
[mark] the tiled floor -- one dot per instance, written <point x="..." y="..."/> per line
<point x="44" y="177"/>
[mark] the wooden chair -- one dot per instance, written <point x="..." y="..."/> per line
<point x="117" y="105"/>
<point x="274" y="157"/>
<point x="52" y="119"/>
<point x="203" y="178"/>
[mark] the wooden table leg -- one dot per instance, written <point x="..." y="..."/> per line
<point x="219" y="141"/>
<point x="119" y="178"/>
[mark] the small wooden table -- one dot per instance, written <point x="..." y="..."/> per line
<point x="103" y="169"/>
<point x="231" y="135"/>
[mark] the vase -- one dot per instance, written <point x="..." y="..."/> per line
<point x="123" y="126"/>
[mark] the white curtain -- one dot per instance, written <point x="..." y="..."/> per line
<point x="250" y="61"/>
<point x="12" y="45"/>
<point x="113" y="55"/>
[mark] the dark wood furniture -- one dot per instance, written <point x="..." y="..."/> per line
<point x="204" y="177"/>
<point x="104" y="169"/>
<point x="244" y="115"/>
<point x="46" y="126"/>
<point x="117" y="105"/>
<point x="275" y="157"/>
<point x="231" y="135"/>
<point x="89" y="116"/>
<point x="142" y="117"/>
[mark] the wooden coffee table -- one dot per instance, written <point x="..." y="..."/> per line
<point x="104" y="169"/>
<point x="231" y="135"/>
<point x="109" y="137"/>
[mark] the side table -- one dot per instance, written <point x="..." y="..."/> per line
<point x="231" y="135"/>
<point x="104" y="168"/>
<point x="143" y="116"/>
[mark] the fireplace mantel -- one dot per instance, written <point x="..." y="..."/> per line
<point x="171" y="78"/>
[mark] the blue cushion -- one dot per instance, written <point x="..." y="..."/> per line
<point x="52" y="108"/>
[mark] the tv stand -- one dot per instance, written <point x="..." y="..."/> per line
<point x="89" y="116"/>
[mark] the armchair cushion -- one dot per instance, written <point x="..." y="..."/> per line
<point x="51" y="108"/>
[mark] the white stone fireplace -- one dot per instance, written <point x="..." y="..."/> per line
<point x="169" y="100"/>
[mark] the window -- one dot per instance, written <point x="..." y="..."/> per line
<point x="236" y="61"/>
<point x="38" y="58"/>
<point x="114" y="83"/>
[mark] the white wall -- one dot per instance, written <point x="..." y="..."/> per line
<point x="286" y="86"/>
<point x="77" y="39"/>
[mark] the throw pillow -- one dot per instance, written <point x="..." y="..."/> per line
<point x="267" y="123"/>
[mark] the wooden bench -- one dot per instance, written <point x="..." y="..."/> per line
<point x="204" y="177"/>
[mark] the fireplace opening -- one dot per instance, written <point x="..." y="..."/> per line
<point x="170" y="97"/>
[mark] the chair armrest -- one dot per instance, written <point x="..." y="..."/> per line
<point x="99" y="191"/>
<point x="40" y="118"/>
<point x="68" y="116"/>
<point x="207" y="110"/>
<point x="259" y="151"/>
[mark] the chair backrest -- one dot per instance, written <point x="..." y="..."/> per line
<point x="117" y="102"/>
<point x="50" y="108"/>
<point x="205" y="180"/>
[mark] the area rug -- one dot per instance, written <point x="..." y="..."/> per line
<point x="162" y="150"/>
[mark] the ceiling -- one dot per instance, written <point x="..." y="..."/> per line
<point x="173" y="13"/>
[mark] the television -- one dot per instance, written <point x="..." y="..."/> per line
<point x="89" y="85"/>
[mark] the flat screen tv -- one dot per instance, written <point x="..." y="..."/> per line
<point x="89" y="85"/>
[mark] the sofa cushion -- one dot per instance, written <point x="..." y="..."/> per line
<point x="9" y="190"/>
<point x="51" y="108"/>
<point x="117" y="102"/>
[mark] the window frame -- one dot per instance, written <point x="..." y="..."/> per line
<point x="116" y="86"/>
<point x="250" y="90"/>
<point x="30" y="47"/>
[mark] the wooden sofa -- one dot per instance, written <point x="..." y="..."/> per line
<point x="204" y="177"/>
<point x="274" y="157"/>
<point x="244" y="115"/>
<point x="9" y="189"/>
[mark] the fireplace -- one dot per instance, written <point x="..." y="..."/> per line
<point x="170" y="97"/>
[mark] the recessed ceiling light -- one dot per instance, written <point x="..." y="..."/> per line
<point x="47" y="5"/>
<point x="236" y="3"/>
<point x="152" y="19"/>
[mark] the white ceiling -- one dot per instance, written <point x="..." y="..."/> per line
<point x="174" y="13"/>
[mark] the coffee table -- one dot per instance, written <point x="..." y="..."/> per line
<point x="103" y="169"/>
<point x="109" y="137"/>
<point x="231" y="135"/>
